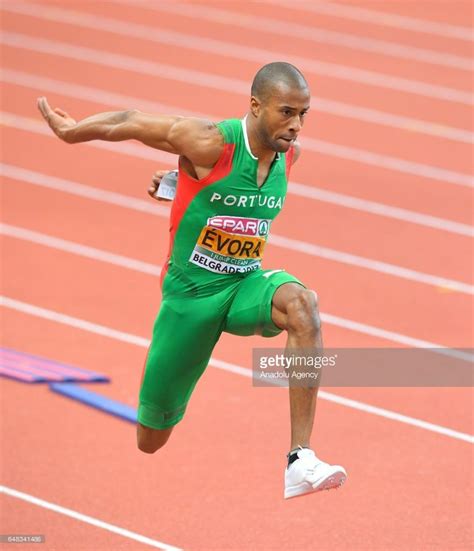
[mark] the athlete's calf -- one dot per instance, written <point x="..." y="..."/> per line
<point x="295" y="309"/>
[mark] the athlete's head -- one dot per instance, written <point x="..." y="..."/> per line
<point x="279" y="102"/>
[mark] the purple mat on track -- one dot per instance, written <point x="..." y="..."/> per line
<point x="34" y="369"/>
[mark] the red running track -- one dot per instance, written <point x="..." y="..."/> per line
<point x="218" y="484"/>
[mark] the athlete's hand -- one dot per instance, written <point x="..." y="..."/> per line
<point x="155" y="184"/>
<point x="58" y="120"/>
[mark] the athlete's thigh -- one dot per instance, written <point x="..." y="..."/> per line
<point x="184" y="335"/>
<point x="251" y="310"/>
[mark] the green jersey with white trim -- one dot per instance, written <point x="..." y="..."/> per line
<point x="220" y="224"/>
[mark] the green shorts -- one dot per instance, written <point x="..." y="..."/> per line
<point x="186" y="331"/>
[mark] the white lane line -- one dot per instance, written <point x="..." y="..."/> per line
<point x="311" y="192"/>
<point x="387" y="162"/>
<point x="395" y="121"/>
<point x="151" y="269"/>
<point x="280" y="241"/>
<point x="370" y="264"/>
<point x="79" y="249"/>
<point x="118" y="100"/>
<point x="127" y="148"/>
<point x="149" y="67"/>
<point x="384" y="19"/>
<point x="71" y="321"/>
<point x="362" y="406"/>
<point x="223" y="83"/>
<point x="102" y="330"/>
<point x="185" y="75"/>
<point x="83" y="190"/>
<point x="143" y="267"/>
<point x="392" y="336"/>
<point x="218" y="47"/>
<point x="121" y="148"/>
<point x="337" y="108"/>
<point x="87" y="519"/>
<point x="380" y="209"/>
<point x="394" y="416"/>
<point x="122" y="101"/>
<point x="279" y="27"/>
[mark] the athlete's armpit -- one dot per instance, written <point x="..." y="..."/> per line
<point x="199" y="140"/>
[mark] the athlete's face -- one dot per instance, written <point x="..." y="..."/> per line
<point x="281" y="116"/>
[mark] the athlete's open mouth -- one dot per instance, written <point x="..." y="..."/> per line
<point x="289" y="140"/>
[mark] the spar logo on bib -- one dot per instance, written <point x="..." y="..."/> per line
<point x="231" y="244"/>
<point x="240" y="226"/>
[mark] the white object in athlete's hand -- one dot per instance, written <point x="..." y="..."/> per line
<point x="167" y="187"/>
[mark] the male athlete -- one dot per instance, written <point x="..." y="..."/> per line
<point x="231" y="185"/>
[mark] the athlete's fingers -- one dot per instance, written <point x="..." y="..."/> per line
<point x="49" y="115"/>
<point x="44" y="107"/>
<point x="152" y="190"/>
<point x="64" y="117"/>
<point x="155" y="184"/>
<point x="153" y="195"/>
<point x="158" y="175"/>
<point x="61" y="113"/>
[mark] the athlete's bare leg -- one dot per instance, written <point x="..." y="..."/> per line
<point x="150" y="440"/>
<point x="295" y="309"/>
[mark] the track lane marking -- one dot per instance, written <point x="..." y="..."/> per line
<point x="266" y="24"/>
<point x="210" y="80"/>
<point x="219" y="47"/>
<point x="385" y="19"/>
<point x="138" y="65"/>
<point x="302" y="190"/>
<point x="324" y="105"/>
<point x="86" y="519"/>
<point x="129" y="338"/>
<point x="151" y="269"/>
<point x="278" y="240"/>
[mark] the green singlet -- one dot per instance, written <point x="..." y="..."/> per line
<point x="212" y="280"/>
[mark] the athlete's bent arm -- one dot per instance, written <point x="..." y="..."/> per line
<point x="196" y="139"/>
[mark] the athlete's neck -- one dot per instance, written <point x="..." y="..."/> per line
<point x="258" y="149"/>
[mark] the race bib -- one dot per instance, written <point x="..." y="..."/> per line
<point x="231" y="244"/>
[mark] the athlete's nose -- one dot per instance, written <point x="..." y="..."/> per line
<point x="295" y="125"/>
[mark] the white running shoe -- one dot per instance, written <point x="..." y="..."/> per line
<point x="309" y="474"/>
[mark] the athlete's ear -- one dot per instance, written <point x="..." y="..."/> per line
<point x="255" y="106"/>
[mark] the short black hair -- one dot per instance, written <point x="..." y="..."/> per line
<point x="272" y="74"/>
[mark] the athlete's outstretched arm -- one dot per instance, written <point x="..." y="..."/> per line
<point x="196" y="139"/>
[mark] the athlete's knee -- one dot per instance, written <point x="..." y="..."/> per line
<point x="303" y="313"/>
<point x="151" y="440"/>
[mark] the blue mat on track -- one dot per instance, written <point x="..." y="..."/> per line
<point x="96" y="401"/>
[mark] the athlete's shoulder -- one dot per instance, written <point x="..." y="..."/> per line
<point x="231" y="129"/>
<point x="200" y="140"/>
